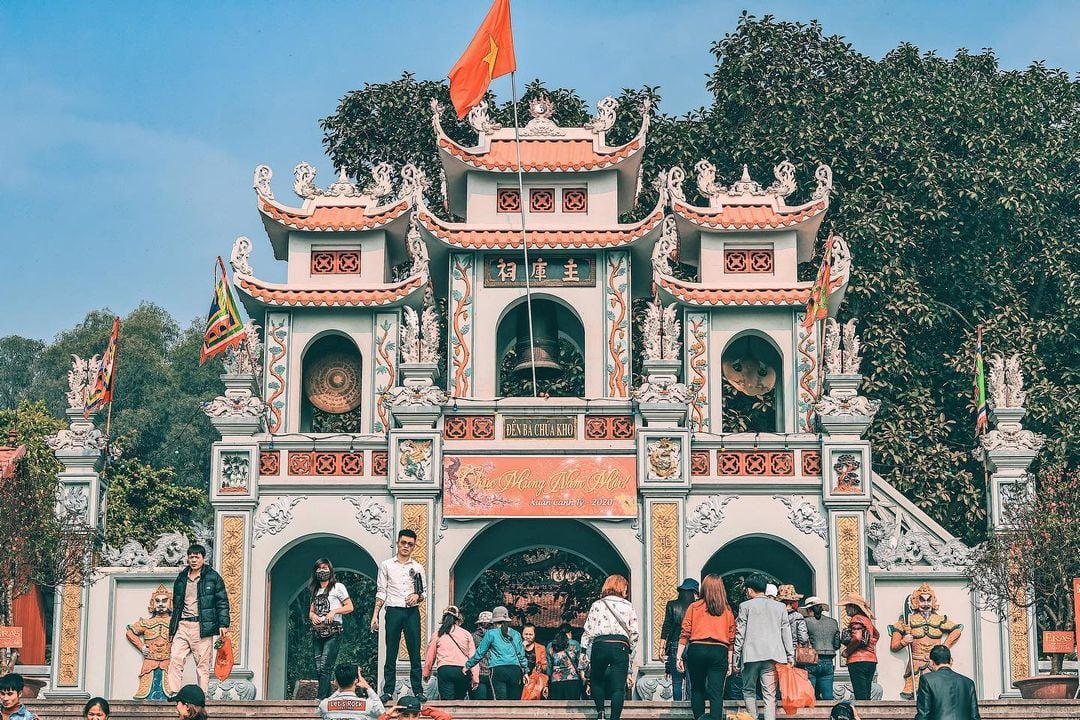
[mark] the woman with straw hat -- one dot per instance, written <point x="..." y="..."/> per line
<point x="505" y="651"/>
<point x="859" y="641"/>
<point x="448" y="649"/>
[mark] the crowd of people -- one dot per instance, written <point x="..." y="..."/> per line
<point x="707" y="647"/>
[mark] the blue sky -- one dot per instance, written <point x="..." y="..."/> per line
<point x="129" y="130"/>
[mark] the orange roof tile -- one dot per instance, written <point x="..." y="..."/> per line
<point x="312" y="297"/>
<point x="748" y="217"/>
<point x="332" y="218"/>
<point x="477" y="239"/>
<point x="698" y="295"/>
<point x="555" y="154"/>
<point x="9" y="457"/>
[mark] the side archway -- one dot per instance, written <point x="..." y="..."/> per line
<point x="290" y="650"/>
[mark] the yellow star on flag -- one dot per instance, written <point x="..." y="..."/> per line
<point x="493" y="52"/>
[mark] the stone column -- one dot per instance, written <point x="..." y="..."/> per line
<point x="415" y="480"/>
<point x="81" y="450"/>
<point x="1008" y="451"/>
<point x="239" y="416"/>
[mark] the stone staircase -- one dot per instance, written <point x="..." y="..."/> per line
<point x="548" y="710"/>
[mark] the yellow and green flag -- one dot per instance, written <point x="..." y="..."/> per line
<point x="982" y="419"/>
<point x="224" y="328"/>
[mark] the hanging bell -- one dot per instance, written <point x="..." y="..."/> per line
<point x="543" y="353"/>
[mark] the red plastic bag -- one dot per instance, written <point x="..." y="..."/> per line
<point x="223" y="661"/>
<point x="795" y="688"/>
<point x="534" y="688"/>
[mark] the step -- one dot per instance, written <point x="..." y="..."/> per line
<point x="548" y="710"/>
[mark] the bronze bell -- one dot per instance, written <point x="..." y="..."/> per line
<point x="544" y="353"/>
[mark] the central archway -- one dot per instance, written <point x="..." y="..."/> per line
<point x="290" y="653"/>
<point x="546" y="570"/>
<point x="765" y="554"/>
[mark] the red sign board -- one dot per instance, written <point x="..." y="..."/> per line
<point x="1058" y="641"/>
<point x="581" y="486"/>
<point x="1076" y="606"/>
<point x="10" y="637"/>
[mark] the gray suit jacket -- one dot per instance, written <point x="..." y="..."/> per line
<point x="763" y="632"/>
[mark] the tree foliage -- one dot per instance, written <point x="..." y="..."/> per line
<point x="164" y="436"/>
<point x="30" y="532"/>
<point x="954" y="188"/>
<point x="1032" y="563"/>
<point x="144" y="502"/>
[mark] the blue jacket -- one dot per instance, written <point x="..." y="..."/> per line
<point x="500" y="650"/>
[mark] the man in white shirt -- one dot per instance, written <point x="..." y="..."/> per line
<point x="345" y="704"/>
<point x="400" y="589"/>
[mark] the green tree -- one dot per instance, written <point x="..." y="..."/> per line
<point x="40" y="548"/>
<point x="144" y="502"/>
<point x="954" y="189"/>
<point x="18" y="359"/>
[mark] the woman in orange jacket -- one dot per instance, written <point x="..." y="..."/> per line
<point x="708" y="631"/>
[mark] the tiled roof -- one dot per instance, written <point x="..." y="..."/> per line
<point x="492" y="239"/>
<point x="551" y="154"/>
<point x="748" y="217"/>
<point x="279" y="295"/>
<point x="328" y="218"/>
<point x="9" y="457"/>
<point x="695" y="294"/>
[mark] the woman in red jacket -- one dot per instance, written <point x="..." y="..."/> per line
<point x="708" y="630"/>
<point x="859" y="641"/>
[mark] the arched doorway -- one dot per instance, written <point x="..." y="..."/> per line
<point x="768" y="555"/>
<point x="546" y="571"/>
<point x="290" y="651"/>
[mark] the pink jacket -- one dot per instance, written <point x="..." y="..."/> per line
<point x="454" y="648"/>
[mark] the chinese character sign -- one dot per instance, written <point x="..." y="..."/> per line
<point x="544" y="270"/>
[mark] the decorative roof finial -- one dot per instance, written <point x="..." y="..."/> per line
<point x="541" y="109"/>
<point x="480" y="121"/>
<point x="605" y="118"/>
<point x="241" y="252"/>
<point x="261" y="181"/>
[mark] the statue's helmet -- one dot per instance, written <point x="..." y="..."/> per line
<point x="160" y="601"/>
<point x="923" y="594"/>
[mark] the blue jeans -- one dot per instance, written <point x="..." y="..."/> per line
<point x="821" y="677"/>
<point x="679" y="681"/>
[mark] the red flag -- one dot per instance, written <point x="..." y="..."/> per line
<point x="101" y="387"/>
<point x="489" y="55"/>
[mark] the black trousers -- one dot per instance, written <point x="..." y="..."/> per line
<point x="862" y="678"/>
<point x="507" y="681"/>
<point x="707" y="664"/>
<point x="402" y="620"/>
<point x="564" y="690"/>
<point x="609" y="662"/>
<point x="453" y="683"/>
<point x="483" y="691"/>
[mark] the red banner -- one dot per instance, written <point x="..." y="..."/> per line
<point x="1076" y="608"/>
<point x="540" y="486"/>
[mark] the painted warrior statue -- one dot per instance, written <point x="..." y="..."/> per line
<point x="150" y="636"/>
<point x="919" y="629"/>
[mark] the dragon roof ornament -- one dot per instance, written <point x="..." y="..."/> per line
<point x="480" y="121"/>
<point x="605" y="117"/>
<point x="380" y="187"/>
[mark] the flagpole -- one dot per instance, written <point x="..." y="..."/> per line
<point x="524" y="238"/>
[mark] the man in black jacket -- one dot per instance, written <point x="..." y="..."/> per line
<point x="944" y="694"/>
<point x="200" y="611"/>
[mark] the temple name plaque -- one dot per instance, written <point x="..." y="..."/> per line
<point x="559" y="427"/>
<point x="579" y="486"/>
<point x="11" y="637"/>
